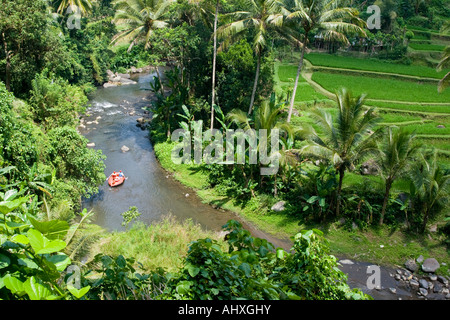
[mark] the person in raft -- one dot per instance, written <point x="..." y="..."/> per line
<point x="120" y="173"/>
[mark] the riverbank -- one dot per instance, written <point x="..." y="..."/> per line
<point x="384" y="247"/>
<point x="154" y="192"/>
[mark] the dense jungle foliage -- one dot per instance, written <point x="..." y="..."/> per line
<point x="219" y="56"/>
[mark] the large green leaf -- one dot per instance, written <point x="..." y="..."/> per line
<point x="193" y="270"/>
<point x="14" y="285"/>
<point x="8" y="206"/>
<point x="183" y="287"/>
<point x="42" y="245"/>
<point x="53" y="229"/>
<point x="61" y="261"/>
<point x="78" y="293"/>
<point x="35" y="290"/>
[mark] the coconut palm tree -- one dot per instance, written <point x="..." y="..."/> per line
<point x="396" y="152"/>
<point x="85" y="6"/>
<point x="326" y="16"/>
<point x="213" y="95"/>
<point x="346" y="139"/>
<point x="137" y="20"/>
<point x="262" y="17"/>
<point x="268" y="116"/>
<point x="431" y="183"/>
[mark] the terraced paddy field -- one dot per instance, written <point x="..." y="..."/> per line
<point x="404" y="95"/>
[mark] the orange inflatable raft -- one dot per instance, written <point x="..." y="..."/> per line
<point x="115" y="180"/>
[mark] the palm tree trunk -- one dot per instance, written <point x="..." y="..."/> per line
<point x="160" y="81"/>
<point x="425" y="219"/>
<point x="338" y="194"/>
<point x="275" y="191"/>
<point x="258" y="65"/>
<point x="214" y="64"/>
<point x="385" y="200"/>
<point x="299" y="69"/>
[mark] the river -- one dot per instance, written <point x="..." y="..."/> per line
<point x="111" y="124"/>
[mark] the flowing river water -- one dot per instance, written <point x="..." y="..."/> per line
<point x="111" y="124"/>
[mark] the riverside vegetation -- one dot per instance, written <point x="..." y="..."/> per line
<point x="48" y="70"/>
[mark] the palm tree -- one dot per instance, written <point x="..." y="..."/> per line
<point x="138" y="19"/>
<point x="346" y="139"/>
<point x="268" y="116"/>
<point x="262" y="16"/>
<point x="85" y="6"/>
<point x="326" y="16"/>
<point x="431" y="183"/>
<point x="396" y="153"/>
<point x="213" y="95"/>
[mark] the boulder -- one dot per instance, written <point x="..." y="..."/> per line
<point x="279" y="206"/>
<point x="443" y="280"/>
<point x="109" y="85"/>
<point x="430" y="265"/>
<point x="90" y="145"/>
<point x="411" y="265"/>
<point x="423" y="283"/>
<point x="133" y="70"/>
<point x="127" y="81"/>
<point x="125" y="149"/>
<point x="420" y="259"/>
<point x="124" y="75"/>
<point x="437" y="287"/>
<point x="423" y="292"/>
<point x="414" y="284"/>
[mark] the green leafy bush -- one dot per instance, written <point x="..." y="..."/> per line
<point x="253" y="269"/>
<point x="55" y="103"/>
<point x="74" y="161"/>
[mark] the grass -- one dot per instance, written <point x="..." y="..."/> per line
<point x="384" y="246"/>
<point x="188" y="175"/>
<point x="397" y="247"/>
<point x="328" y="60"/>
<point x="162" y="244"/>
<point x="382" y="89"/>
<point x="425" y="110"/>
<point x="287" y="73"/>
<point x="426" y="46"/>
<point x="306" y="93"/>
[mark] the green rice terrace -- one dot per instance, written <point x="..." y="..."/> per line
<point x="404" y="95"/>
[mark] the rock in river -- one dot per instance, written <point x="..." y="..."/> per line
<point x="125" y="149"/>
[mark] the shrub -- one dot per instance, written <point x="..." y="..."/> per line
<point x="74" y="161"/>
<point x="55" y="103"/>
